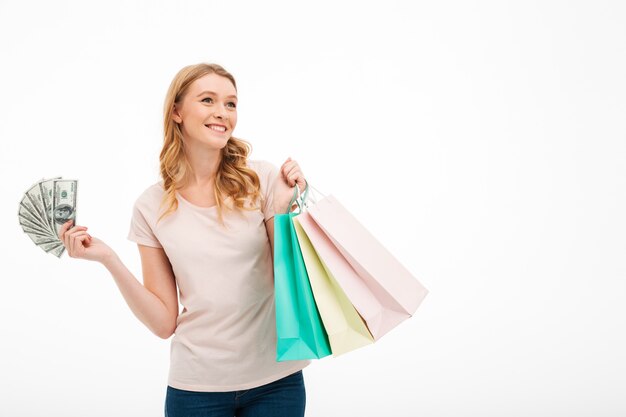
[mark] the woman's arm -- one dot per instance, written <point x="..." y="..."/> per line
<point x="289" y="177"/>
<point x="155" y="303"/>
<point x="269" y="226"/>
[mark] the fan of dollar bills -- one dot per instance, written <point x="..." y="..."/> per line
<point x="46" y="206"/>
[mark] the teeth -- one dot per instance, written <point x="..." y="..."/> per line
<point x="217" y="128"/>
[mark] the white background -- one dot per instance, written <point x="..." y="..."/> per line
<point x="483" y="143"/>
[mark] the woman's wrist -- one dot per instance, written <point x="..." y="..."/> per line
<point x="282" y="210"/>
<point x="109" y="259"/>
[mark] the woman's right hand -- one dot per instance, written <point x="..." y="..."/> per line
<point x="80" y="244"/>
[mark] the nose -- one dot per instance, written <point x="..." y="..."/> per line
<point x="220" y="113"/>
<point x="219" y="116"/>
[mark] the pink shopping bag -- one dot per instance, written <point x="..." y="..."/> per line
<point x="382" y="290"/>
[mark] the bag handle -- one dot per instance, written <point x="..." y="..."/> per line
<point x="295" y="198"/>
<point x="313" y="200"/>
<point x="306" y="199"/>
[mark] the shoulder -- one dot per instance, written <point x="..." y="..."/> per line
<point x="150" y="195"/>
<point x="262" y="167"/>
<point x="267" y="172"/>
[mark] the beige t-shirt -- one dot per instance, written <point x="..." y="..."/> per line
<point x="225" y="339"/>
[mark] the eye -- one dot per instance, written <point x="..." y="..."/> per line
<point x="234" y="105"/>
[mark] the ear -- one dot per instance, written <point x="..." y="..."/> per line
<point x="176" y="115"/>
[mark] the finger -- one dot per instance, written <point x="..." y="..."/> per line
<point x="71" y="247"/>
<point x="63" y="228"/>
<point x="73" y="236"/>
<point x="285" y="171"/>
<point x="66" y="240"/>
<point x="70" y="238"/>
<point x="294" y="175"/>
<point x="292" y="170"/>
<point x="78" y="245"/>
<point x="289" y="169"/>
<point x="301" y="182"/>
<point x="293" y="179"/>
<point x="288" y="164"/>
<point x="74" y="229"/>
<point x="78" y="233"/>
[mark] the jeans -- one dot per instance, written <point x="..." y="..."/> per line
<point x="285" y="397"/>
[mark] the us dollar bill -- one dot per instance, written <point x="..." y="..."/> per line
<point x="29" y="227"/>
<point x="63" y="202"/>
<point x="36" y="202"/>
<point x="44" y="208"/>
<point x="57" y="251"/>
<point x="47" y="193"/>
<point x="26" y="214"/>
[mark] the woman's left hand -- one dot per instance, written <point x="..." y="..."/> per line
<point x="289" y="176"/>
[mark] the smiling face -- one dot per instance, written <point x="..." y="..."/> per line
<point x="207" y="114"/>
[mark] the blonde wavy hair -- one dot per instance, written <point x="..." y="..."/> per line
<point x="233" y="178"/>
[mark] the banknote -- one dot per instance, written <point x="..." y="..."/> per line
<point x="63" y="203"/>
<point x="45" y="207"/>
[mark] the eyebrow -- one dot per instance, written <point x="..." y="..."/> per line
<point x="212" y="92"/>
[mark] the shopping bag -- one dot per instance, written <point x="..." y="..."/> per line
<point x="345" y="328"/>
<point x="381" y="289"/>
<point x="299" y="329"/>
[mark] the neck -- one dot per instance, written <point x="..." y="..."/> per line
<point x="204" y="163"/>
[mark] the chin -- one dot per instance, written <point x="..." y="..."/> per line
<point x="221" y="142"/>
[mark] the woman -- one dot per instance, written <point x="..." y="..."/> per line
<point x="207" y="229"/>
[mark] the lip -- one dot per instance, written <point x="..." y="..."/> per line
<point x="216" y="124"/>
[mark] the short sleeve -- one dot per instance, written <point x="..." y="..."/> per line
<point x="140" y="230"/>
<point x="268" y="174"/>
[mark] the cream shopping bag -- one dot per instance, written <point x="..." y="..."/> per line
<point x="345" y="328"/>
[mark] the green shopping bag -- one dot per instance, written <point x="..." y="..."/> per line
<point x="299" y="330"/>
